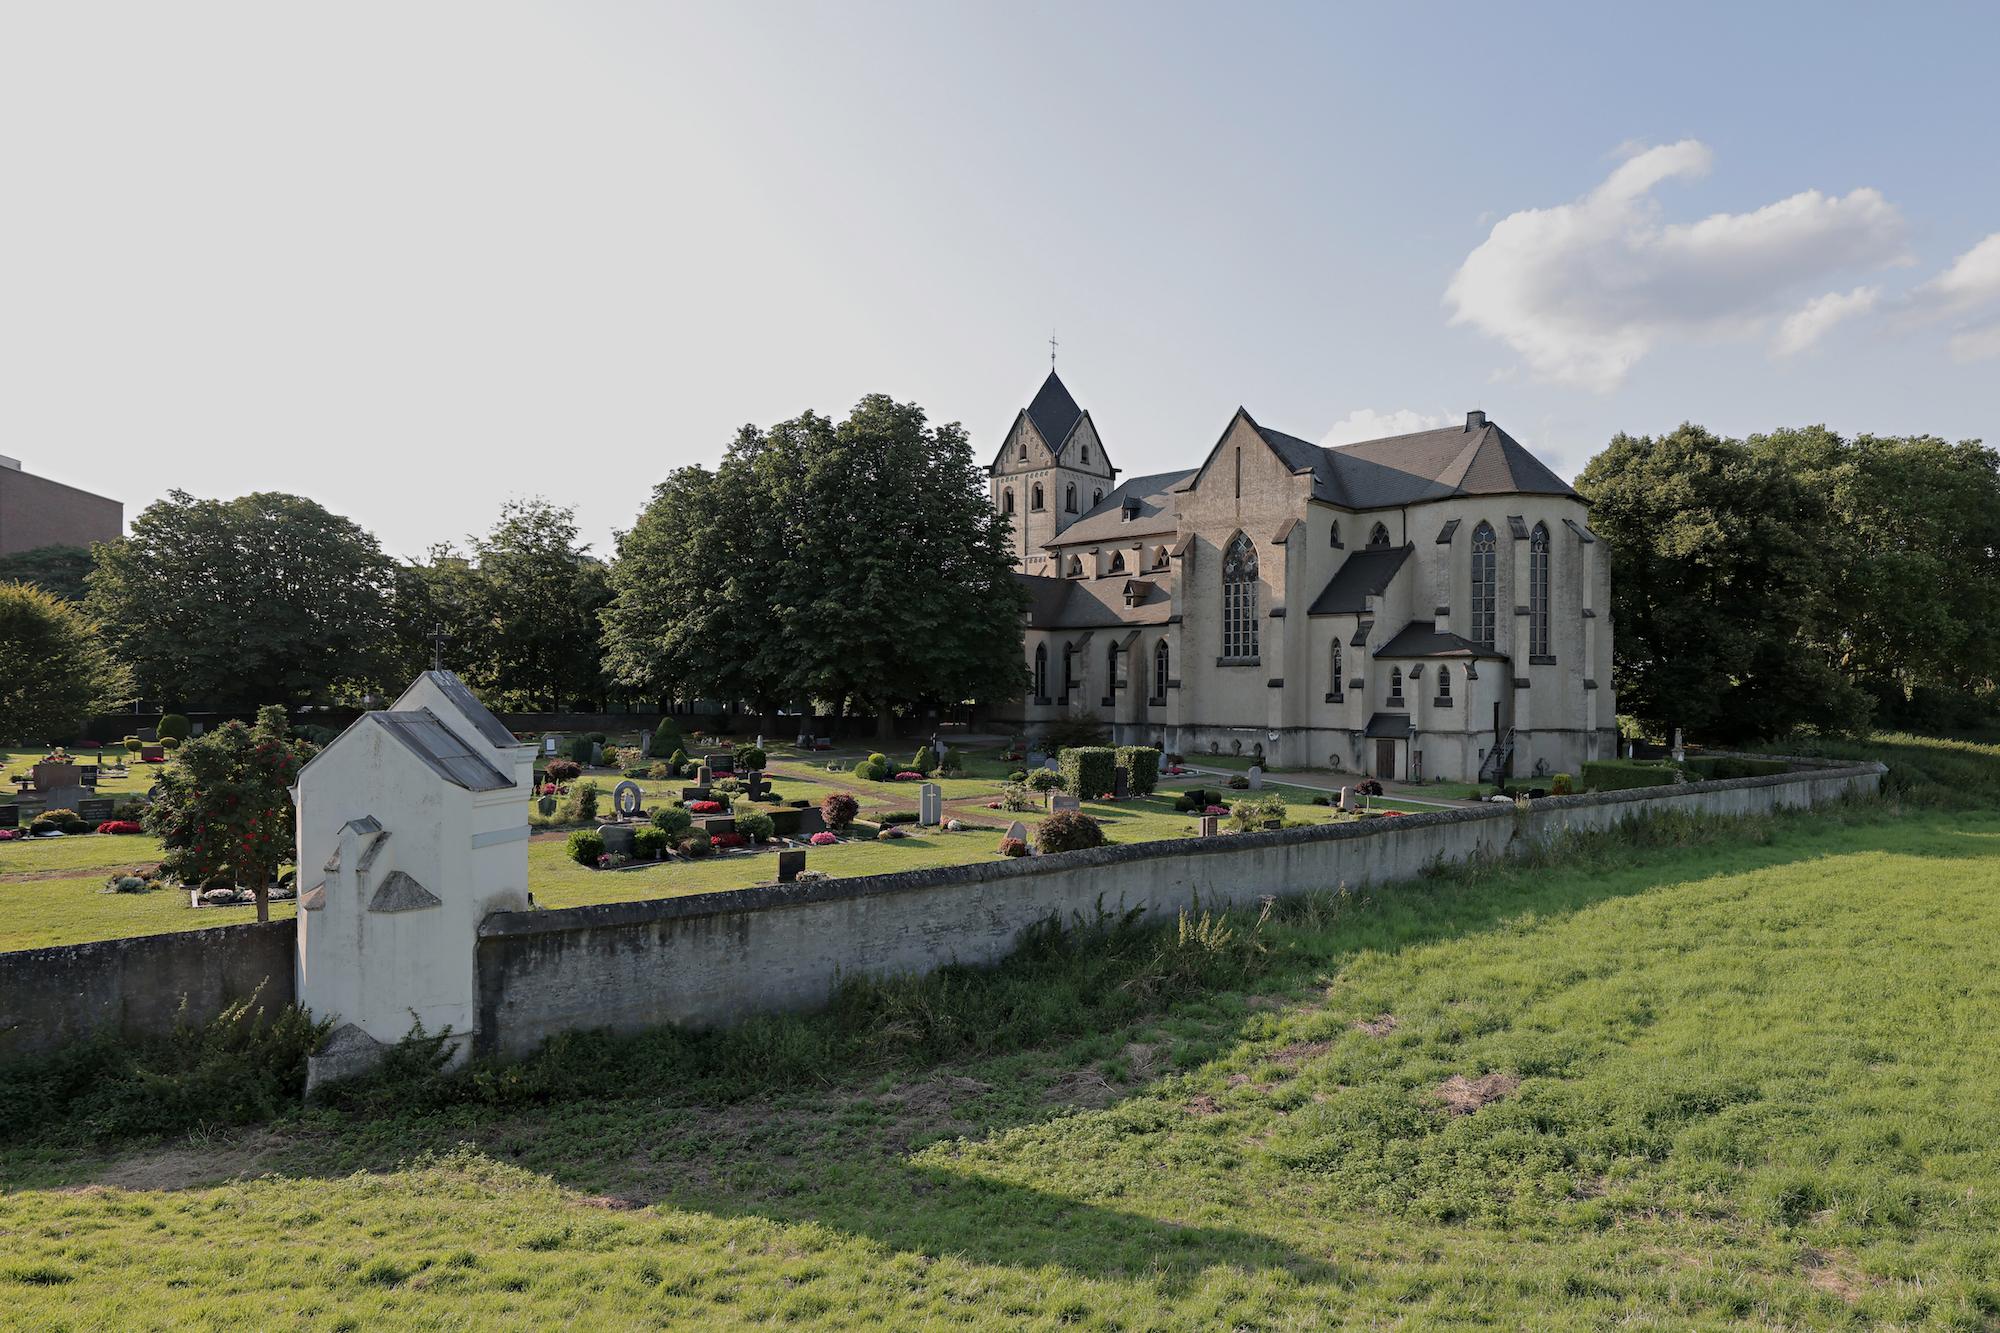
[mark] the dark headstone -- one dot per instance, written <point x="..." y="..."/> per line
<point x="95" y="810"/>
<point x="717" y="825"/>
<point x="700" y="793"/>
<point x="152" y="754"/>
<point x="617" y="838"/>
<point x="721" y="763"/>
<point x="789" y="865"/>
<point x="547" y="805"/>
<point x="1060" y="801"/>
<point x="87" y="774"/>
<point x="1121" y="785"/>
<point x="10" y="816"/>
<point x="811" y="821"/>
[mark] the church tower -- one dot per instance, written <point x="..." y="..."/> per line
<point x="1050" y="471"/>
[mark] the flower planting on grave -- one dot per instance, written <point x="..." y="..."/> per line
<point x="1013" y="847"/>
<point x="1068" y="831"/>
<point x="723" y="841"/>
<point x="823" y="839"/>
<point x="1257" y="812"/>
<point x="910" y="775"/>
<point x="122" y="826"/>
<point x="613" y="860"/>
<point x="706" y="807"/>
<point x="697" y="845"/>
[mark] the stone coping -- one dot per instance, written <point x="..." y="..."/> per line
<point x="731" y="901"/>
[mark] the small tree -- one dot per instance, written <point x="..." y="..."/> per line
<point x="225" y="806"/>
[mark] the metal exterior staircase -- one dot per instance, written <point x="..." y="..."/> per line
<point x="1498" y="759"/>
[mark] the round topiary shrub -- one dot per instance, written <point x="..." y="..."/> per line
<point x="755" y="827"/>
<point x="672" y="820"/>
<point x="749" y="757"/>
<point x="1018" y="775"/>
<point x="875" y="768"/>
<point x="585" y="846"/>
<point x="176" y="726"/>
<point x="839" y="809"/>
<point x="1045" y="780"/>
<point x="1562" y="784"/>
<point x="1068" y="831"/>
<point x="170" y="743"/>
<point x="649" y="843"/>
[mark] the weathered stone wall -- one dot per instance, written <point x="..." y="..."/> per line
<point x="711" y="959"/>
<point x="50" y="997"/>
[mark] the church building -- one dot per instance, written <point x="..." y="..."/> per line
<point x="1431" y="605"/>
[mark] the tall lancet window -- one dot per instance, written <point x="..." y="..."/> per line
<point x="1239" y="599"/>
<point x="1160" y="664"/>
<point x="1041" y="671"/>
<point x="1335" y="686"/>
<point x="1483" y="590"/>
<point x="1538" y="592"/>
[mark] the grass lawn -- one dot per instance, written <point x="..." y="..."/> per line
<point x="72" y="909"/>
<point x="1707" y="1075"/>
<point x="138" y="778"/>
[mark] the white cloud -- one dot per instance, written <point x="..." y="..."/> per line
<point x="1368" y="424"/>
<point x="1972" y="280"/>
<point x="1584" y="290"/>
<point x="1978" y="344"/>
<point x="1816" y="318"/>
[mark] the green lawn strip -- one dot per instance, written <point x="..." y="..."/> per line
<point x="138" y="778"/>
<point x="84" y="851"/>
<point x="40" y="914"/>
<point x="1752" y="1072"/>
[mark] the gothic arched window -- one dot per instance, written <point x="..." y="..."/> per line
<point x="1395" y="685"/>
<point x="1336" y="686"/>
<point x="1117" y="562"/>
<point x="1239" y="599"/>
<point x="1035" y="500"/>
<point x="1160" y="670"/>
<point x="1069" y="497"/>
<point x="1159" y="557"/>
<point x="1538" y="592"/>
<point x="1023" y="455"/>
<point x="1111" y="666"/>
<point x="1333" y="535"/>
<point x="1483" y="589"/>
<point x="1378" y="535"/>
<point x="1444" y="684"/>
<point x="1069" y="668"/>
<point x="1096" y="496"/>
<point x="1075" y="567"/>
<point x="1041" y="671"/>
<point x="1007" y="501"/>
<point x="1086" y="452"/>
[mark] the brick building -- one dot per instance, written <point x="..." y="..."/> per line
<point x="35" y="511"/>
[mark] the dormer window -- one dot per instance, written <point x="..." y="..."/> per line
<point x="1130" y="509"/>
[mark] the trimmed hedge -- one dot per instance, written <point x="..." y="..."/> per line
<point x="1713" y="768"/>
<point x="1142" y="768"/>
<point x="1088" y="771"/>
<point x="585" y="846"/>
<point x="1626" y="774"/>
<point x="1068" y="831"/>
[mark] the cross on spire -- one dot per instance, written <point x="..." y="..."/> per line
<point x="1052" y="349"/>
<point x="437" y="648"/>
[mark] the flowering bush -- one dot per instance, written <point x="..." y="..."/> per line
<point x="9" y="834"/>
<point x="120" y="826"/>
<point x="822" y="839"/>
<point x="613" y="860"/>
<point x="839" y="809"/>
<point x="1013" y="847"/>
<point x="1215" y="810"/>
<point x="705" y="807"/>
<point x="909" y="775"/>
<point x="563" y="770"/>
<point x="729" y="840"/>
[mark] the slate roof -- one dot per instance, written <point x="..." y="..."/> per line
<point x="1092" y="603"/>
<point x="1388" y="726"/>
<point x="1423" y="465"/>
<point x="1054" y="412"/>
<point x="482" y="719"/>
<point x="1422" y="638"/>
<point x="423" y="735"/>
<point x="1105" y="521"/>
<point x="1365" y="573"/>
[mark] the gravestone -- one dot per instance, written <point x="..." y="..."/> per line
<point x="627" y="799"/>
<point x="95" y="810"/>
<point x="1035" y="757"/>
<point x="87" y="774"/>
<point x="1347" y="799"/>
<point x="1210" y="825"/>
<point x="1016" y="832"/>
<point x="152" y="754"/>
<point x="596" y="754"/>
<point x="1060" y="801"/>
<point x="1050" y="764"/>
<point x="10" y="816"/>
<point x="1121" y="784"/>
<point x="704" y="776"/>
<point x="930" y="805"/>
<point x="811" y="821"/>
<point x="721" y="763"/>
<point x="1256" y="777"/>
<point x="147" y="734"/>
<point x="689" y="794"/>
<point x="1163" y="761"/>
<point x="547" y="805"/>
<point x="717" y="825"/>
<point x="754" y="785"/>
<point x="805" y="740"/>
<point x="550" y="744"/>
<point x="617" y="837"/>
<point x="789" y="865"/>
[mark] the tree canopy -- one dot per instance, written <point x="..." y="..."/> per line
<point x="224" y="808"/>
<point x="858" y="561"/>
<point x="231" y="602"/>
<point x="55" y="668"/>
<point x="60" y="570"/>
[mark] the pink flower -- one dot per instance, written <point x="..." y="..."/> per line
<point x="823" y="840"/>
<point x="1216" y="810"/>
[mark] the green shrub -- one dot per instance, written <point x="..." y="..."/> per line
<point x="1715" y="768"/>
<point x="57" y="821"/>
<point x="899" y="817"/>
<point x="697" y="844"/>
<point x="170" y="743"/>
<point x="1196" y="799"/>
<point x="756" y="827"/>
<point x="649" y="843"/>
<point x="672" y="820"/>
<point x="679" y="764"/>
<point x="923" y="761"/>
<point x="1068" y="831"/>
<point x="176" y="726"/>
<point x="1018" y="775"/>
<point x="666" y="737"/>
<point x="1141" y="764"/>
<point x="585" y="846"/>
<point x="1017" y="797"/>
<point x="578" y="749"/>
<point x="750" y="757"/>
<point x="875" y="768"/>
<point x="1626" y="774"/>
<point x="1562" y="784"/>
<point x="1045" y="780"/>
<point x="1254" y="812"/>
<point x="952" y="764"/>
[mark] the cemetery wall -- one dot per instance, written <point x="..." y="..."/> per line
<point x="710" y="959"/>
<point x="50" y="997"/>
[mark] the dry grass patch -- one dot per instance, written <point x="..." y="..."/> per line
<point x="1463" y="1096"/>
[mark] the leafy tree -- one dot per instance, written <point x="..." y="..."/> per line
<point x="1713" y="586"/>
<point x="540" y="593"/>
<point x="55" y="668"/>
<point x="225" y="805"/>
<point x="226" y="602"/>
<point x="54" y="569"/>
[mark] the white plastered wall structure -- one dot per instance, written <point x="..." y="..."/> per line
<point x="412" y="828"/>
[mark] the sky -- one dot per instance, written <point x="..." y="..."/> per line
<point x="416" y="259"/>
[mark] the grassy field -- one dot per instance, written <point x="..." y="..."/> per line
<point x="137" y="779"/>
<point x="1702" y="1075"/>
